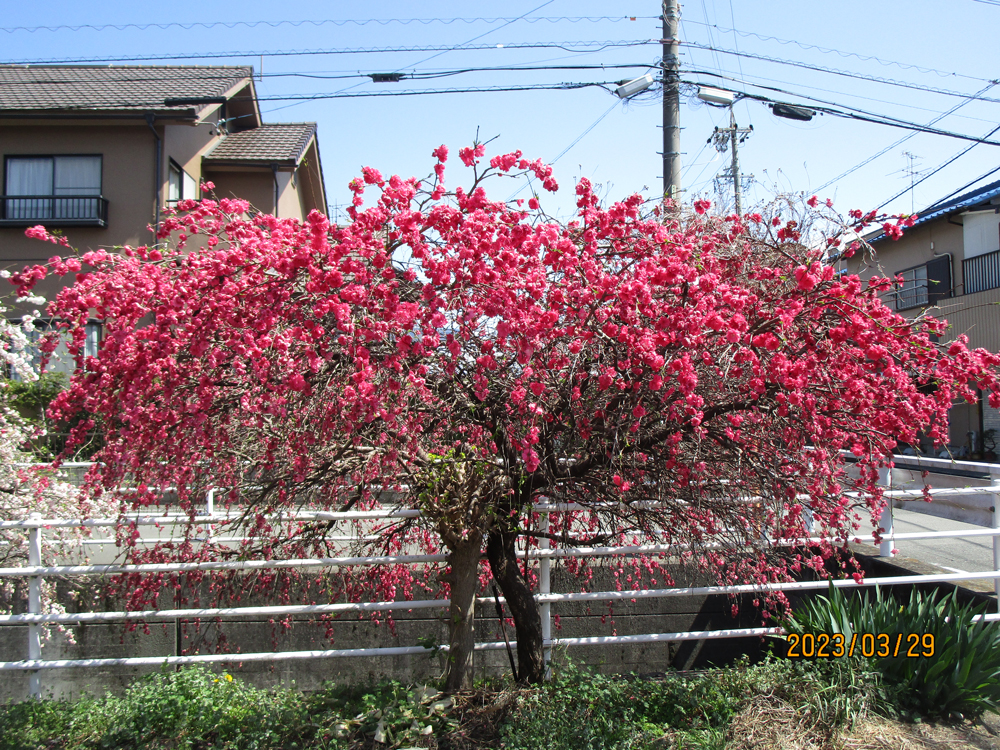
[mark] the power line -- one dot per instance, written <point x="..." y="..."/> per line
<point x="853" y="113"/>
<point x="416" y="76"/>
<point x="845" y="73"/>
<point x="749" y="80"/>
<point x="317" y="23"/>
<point x="588" y="47"/>
<point x="937" y="169"/>
<point x="739" y="60"/>
<point x="694" y="161"/>
<point x="485" y="33"/>
<point x="704" y="167"/>
<point x="704" y="184"/>
<point x="892" y="146"/>
<point x="569" y="86"/>
<point x="711" y="41"/>
<point x="965" y="186"/>
<point x="579" y="138"/>
<point x="842" y="53"/>
<point x="857" y="113"/>
<point x="463" y="44"/>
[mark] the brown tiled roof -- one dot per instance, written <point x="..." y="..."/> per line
<point x="113" y="89"/>
<point x="268" y="143"/>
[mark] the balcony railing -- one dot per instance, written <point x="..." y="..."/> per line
<point x="981" y="272"/>
<point x="54" y="210"/>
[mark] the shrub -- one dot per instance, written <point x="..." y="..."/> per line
<point x="31" y="724"/>
<point x="579" y="710"/>
<point x="196" y="708"/>
<point x="191" y="708"/>
<point x="957" y="669"/>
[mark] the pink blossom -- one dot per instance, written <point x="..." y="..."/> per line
<point x="669" y="350"/>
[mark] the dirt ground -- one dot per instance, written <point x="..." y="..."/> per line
<point x="768" y="723"/>
<point x="777" y="726"/>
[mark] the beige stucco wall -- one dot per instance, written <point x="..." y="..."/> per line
<point x="256" y="184"/>
<point x="186" y="143"/>
<point x="127" y="181"/>
<point x="289" y="199"/>
<point x="917" y="246"/>
<point x="975" y="315"/>
<point x="253" y="185"/>
<point x="309" y="181"/>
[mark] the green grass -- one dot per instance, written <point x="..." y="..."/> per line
<point x="199" y="709"/>
<point x="585" y="712"/>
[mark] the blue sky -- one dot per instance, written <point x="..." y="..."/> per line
<point x="919" y="46"/>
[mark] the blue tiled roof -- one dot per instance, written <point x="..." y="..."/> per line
<point x="979" y="195"/>
<point x="953" y="205"/>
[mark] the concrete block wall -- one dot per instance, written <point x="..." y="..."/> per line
<point x="576" y="619"/>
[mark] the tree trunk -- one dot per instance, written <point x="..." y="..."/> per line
<point x="522" y="606"/>
<point x="464" y="580"/>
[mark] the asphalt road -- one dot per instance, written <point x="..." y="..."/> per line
<point x="951" y="555"/>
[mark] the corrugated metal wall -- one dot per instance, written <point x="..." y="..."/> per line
<point x="975" y="315"/>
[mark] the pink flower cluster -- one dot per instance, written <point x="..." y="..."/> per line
<point x="684" y="361"/>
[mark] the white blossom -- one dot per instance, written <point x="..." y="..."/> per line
<point x="25" y="490"/>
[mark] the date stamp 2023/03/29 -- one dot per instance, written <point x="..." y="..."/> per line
<point x="836" y="645"/>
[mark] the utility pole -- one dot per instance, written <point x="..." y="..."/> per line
<point x="733" y="131"/>
<point x="730" y="138"/>
<point x="671" y="102"/>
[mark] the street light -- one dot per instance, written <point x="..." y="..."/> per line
<point x="791" y="112"/>
<point x="727" y="137"/>
<point x="716" y="96"/>
<point x="633" y="87"/>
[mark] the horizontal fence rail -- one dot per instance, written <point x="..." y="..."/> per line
<point x="410" y="604"/>
<point x="35" y="572"/>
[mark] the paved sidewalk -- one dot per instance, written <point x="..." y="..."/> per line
<point x="927" y="556"/>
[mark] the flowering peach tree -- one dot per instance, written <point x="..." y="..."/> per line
<point x="677" y="378"/>
<point x="26" y="486"/>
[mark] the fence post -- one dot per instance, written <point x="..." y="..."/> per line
<point x="885" y="521"/>
<point x="996" y="539"/>
<point x="209" y="511"/>
<point x="545" y="587"/>
<point x="34" y="603"/>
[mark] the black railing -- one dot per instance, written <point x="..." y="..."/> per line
<point x="54" y="210"/>
<point x="981" y="272"/>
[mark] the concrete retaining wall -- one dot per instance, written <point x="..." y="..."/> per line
<point x="576" y="619"/>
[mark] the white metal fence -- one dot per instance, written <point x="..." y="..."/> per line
<point x="35" y="572"/>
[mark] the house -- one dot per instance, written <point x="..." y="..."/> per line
<point x="97" y="151"/>
<point x="949" y="260"/>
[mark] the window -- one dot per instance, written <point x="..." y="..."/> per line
<point x="60" y="360"/>
<point x="66" y="189"/>
<point x="180" y="185"/>
<point x="924" y="285"/>
<point x="912" y="292"/>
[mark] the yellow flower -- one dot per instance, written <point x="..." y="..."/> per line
<point x="229" y="677"/>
